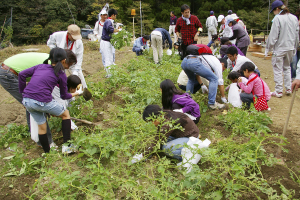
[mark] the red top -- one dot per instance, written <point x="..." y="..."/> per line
<point x="203" y="48"/>
<point x="188" y="32"/>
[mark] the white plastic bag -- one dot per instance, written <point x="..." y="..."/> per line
<point x="169" y="52"/>
<point x="34" y="130"/>
<point x="190" y="155"/>
<point x="234" y="95"/>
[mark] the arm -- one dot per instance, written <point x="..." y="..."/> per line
<point x="273" y="36"/>
<point x="79" y="54"/>
<point x="22" y="77"/>
<point x="235" y="32"/>
<point x="63" y="87"/>
<point x="177" y="28"/>
<point x="168" y="38"/>
<point x="51" y="43"/>
<point x="246" y="88"/>
<point x="96" y="29"/>
<point x="216" y="22"/>
<point x="222" y="91"/>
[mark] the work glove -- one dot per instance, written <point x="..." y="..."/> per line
<point x="224" y="100"/>
<point x="178" y="110"/>
<point x="204" y="89"/>
<point x="136" y="158"/>
<point x="79" y="90"/>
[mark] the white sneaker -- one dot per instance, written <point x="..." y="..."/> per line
<point x="288" y="92"/>
<point x="216" y="106"/>
<point x="53" y="145"/>
<point x="275" y="94"/>
<point x="68" y="149"/>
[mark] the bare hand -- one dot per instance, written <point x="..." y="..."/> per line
<point x="196" y="38"/>
<point x="295" y="84"/>
<point x="240" y="80"/>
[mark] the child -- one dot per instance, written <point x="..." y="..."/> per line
<point x="173" y="99"/>
<point x="37" y="96"/>
<point x="254" y="84"/>
<point x="234" y="91"/>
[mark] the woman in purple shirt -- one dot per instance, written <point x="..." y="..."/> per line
<point x="37" y="96"/>
<point x="173" y="99"/>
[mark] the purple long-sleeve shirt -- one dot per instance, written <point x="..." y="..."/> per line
<point x="108" y="29"/>
<point x="43" y="80"/>
<point x="188" y="104"/>
<point x="173" y="20"/>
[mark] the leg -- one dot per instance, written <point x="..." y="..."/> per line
<point x="190" y="74"/>
<point x="175" y="36"/>
<point x="247" y="98"/>
<point x="182" y="87"/>
<point x="66" y="125"/>
<point x="43" y="137"/>
<point x="154" y="48"/>
<point x="173" y="148"/>
<point x="287" y="59"/>
<point x="244" y="49"/>
<point x="160" y="48"/>
<point x="277" y="62"/>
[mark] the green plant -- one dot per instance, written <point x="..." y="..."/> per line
<point x="121" y="39"/>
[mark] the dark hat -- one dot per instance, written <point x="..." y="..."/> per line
<point x="223" y="49"/>
<point x="230" y="12"/>
<point x="276" y="4"/>
<point x="214" y="37"/>
<point x="211" y="12"/>
<point x="224" y="39"/>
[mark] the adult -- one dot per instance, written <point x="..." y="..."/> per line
<point x="183" y="80"/>
<point x="188" y="26"/>
<point x="225" y="44"/>
<point x="211" y="25"/>
<point x="173" y="21"/>
<point x="296" y="57"/>
<point x="296" y="82"/>
<point x="99" y="28"/>
<point x="237" y="19"/>
<point x="140" y="45"/>
<point x="240" y="34"/>
<point x="283" y="40"/>
<point x="105" y="45"/>
<point x="158" y="38"/>
<point x="70" y="39"/>
<point x="206" y="66"/>
<point x="221" y="20"/>
<point x="37" y="96"/>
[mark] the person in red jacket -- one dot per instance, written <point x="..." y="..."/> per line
<point x="188" y="26"/>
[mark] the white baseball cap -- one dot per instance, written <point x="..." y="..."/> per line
<point x="220" y="18"/>
<point x="234" y="16"/>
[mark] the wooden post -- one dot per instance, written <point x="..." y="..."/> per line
<point x="133" y="28"/>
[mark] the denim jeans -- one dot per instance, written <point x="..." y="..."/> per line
<point x="174" y="146"/>
<point x="193" y="67"/>
<point x="10" y="83"/>
<point x="294" y="64"/>
<point x="247" y="98"/>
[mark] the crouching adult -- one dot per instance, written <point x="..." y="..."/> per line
<point x="201" y="62"/>
<point x="140" y="45"/>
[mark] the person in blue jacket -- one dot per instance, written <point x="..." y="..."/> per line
<point x="158" y="37"/>
<point x="140" y="45"/>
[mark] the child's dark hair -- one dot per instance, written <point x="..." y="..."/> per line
<point x="155" y="110"/>
<point x="249" y="66"/>
<point x="184" y="7"/>
<point x="232" y="50"/>
<point x="168" y="90"/>
<point x="56" y="55"/>
<point x="233" y="75"/>
<point x="112" y="12"/>
<point x="73" y="81"/>
<point x="146" y="37"/>
<point x="223" y="60"/>
<point x="71" y="57"/>
<point x="173" y="12"/>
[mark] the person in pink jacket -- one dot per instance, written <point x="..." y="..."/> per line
<point x="255" y="84"/>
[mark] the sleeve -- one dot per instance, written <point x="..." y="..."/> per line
<point x="216" y="22"/>
<point x="177" y="27"/>
<point x="273" y="36"/>
<point x="79" y="55"/>
<point x="297" y="37"/>
<point x="198" y="23"/>
<point x="298" y="71"/>
<point x="110" y="28"/>
<point x="64" y="94"/>
<point x="168" y="38"/>
<point x="51" y="43"/>
<point x="22" y="78"/>
<point x="175" y="20"/>
<point x="96" y="29"/>
<point x="217" y="67"/>
<point x="247" y="88"/>
<point x="235" y="32"/>
<point x="206" y="23"/>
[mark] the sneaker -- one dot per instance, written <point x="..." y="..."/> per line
<point x="288" y="92"/>
<point x="216" y="106"/>
<point x="53" y="145"/>
<point x="68" y="149"/>
<point x="275" y="94"/>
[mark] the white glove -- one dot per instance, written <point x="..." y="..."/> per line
<point x="169" y="52"/>
<point x="190" y="116"/>
<point x="224" y="99"/>
<point x="80" y="90"/>
<point x="204" y="89"/>
<point x="136" y="158"/>
<point x="178" y="110"/>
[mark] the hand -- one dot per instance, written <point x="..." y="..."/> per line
<point x="204" y="89"/>
<point x="80" y="90"/>
<point x="178" y="110"/>
<point x="224" y="100"/>
<point x="239" y="79"/>
<point x="295" y="84"/>
<point x="196" y="37"/>
<point x="136" y="158"/>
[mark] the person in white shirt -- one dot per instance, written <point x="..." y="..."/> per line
<point x="70" y="39"/>
<point x="211" y="24"/>
<point x="99" y="28"/>
<point x="221" y="20"/>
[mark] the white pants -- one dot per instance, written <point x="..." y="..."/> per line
<point x="172" y="30"/>
<point x="78" y="72"/>
<point x="281" y="61"/>
<point x="107" y="51"/>
<point x="156" y="43"/>
<point x="211" y="31"/>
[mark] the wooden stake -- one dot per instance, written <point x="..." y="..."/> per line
<point x="278" y="154"/>
<point x="82" y="120"/>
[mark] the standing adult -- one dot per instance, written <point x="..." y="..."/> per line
<point x="70" y="39"/>
<point x="296" y="57"/>
<point x="158" y="37"/>
<point x="283" y="40"/>
<point x="240" y="34"/>
<point x="99" y="28"/>
<point x="237" y="19"/>
<point x="211" y="25"/>
<point x="188" y="26"/>
<point x="221" y="20"/>
<point x="173" y="21"/>
<point x="105" y="45"/>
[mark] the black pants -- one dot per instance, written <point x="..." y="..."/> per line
<point x="197" y="87"/>
<point x="183" y="49"/>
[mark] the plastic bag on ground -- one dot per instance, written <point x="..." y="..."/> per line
<point x="169" y="52"/>
<point x="190" y="155"/>
<point x="234" y="96"/>
<point x="34" y="130"/>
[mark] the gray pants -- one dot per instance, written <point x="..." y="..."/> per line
<point x="281" y="61"/>
<point x="156" y="44"/>
<point x="247" y="98"/>
<point x="10" y="83"/>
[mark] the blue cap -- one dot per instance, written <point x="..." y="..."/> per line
<point x="228" y="20"/>
<point x="211" y="12"/>
<point x="276" y="4"/>
<point x="230" y="12"/>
